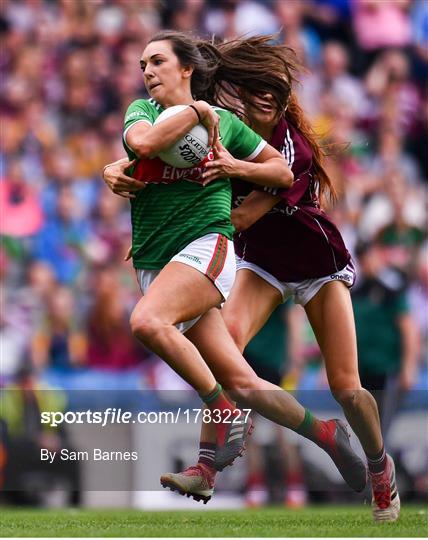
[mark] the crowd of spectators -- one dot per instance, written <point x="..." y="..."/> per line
<point x="69" y="70"/>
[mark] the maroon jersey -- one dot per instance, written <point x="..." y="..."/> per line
<point x="296" y="240"/>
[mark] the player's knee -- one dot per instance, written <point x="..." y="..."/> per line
<point x="144" y="326"/>
<point x="235" y="330"/>
<point x="348" y="398"/>
<point x="242" y="386"/>
<point x="240" y="395"/>
<point x="345" y="387"/>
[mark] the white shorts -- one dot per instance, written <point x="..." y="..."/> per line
<point x="302" y="291"/>
<point x="213" y="255"/>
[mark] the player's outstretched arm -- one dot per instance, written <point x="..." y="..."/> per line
<point x="269" y="168"/>
<point x="253" y="207"/>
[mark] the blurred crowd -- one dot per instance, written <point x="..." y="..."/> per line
<point x="69" y="69"/>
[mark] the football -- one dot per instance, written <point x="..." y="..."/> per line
<point x="188" y="151"/>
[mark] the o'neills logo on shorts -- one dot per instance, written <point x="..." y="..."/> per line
<point x="341" y="277"/>
<point x="193" y="258"/>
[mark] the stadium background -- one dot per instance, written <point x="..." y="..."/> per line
<point x="70" y="68"/>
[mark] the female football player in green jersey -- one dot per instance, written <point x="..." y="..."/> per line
<point x="184" y="259"/>
<point x="181" y="233"/>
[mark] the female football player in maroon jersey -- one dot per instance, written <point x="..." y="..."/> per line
<point x="296" y="252"/>
<point x="288" y="246"/>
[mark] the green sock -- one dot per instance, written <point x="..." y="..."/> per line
<point x="213" y="395"/>
<point x="320" y="432"/>
<point x="307" y="424"/>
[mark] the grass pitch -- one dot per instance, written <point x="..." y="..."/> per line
<point x="342" y="521"/>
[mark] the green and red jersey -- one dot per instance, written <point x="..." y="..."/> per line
<point x="167" y="217"/>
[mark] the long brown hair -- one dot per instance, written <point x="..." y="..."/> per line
<point x="258" y="66"/>
<point x="237" y="67"/>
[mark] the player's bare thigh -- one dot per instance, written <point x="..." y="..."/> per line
<point x="179" y="293"/>
<point x="332" y="319"/>
<point x="250" y="304"/>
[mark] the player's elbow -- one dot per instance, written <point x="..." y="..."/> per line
<point x="142" y="146"/>
<point x="285" y="175"/>
<point x="280" y="174"/>
<point x="143" y="149"/>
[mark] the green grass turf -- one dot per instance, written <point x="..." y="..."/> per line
<point x="314" y="521"/>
